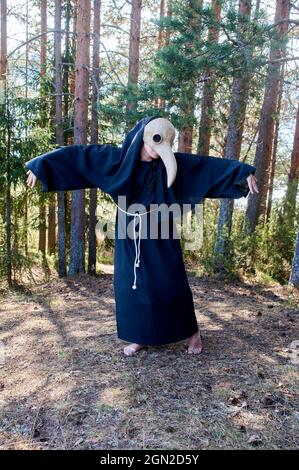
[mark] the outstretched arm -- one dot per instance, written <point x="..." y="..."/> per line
<point x="228" y="178"/>
<point x="202" y="177"/>
<point x="73" y="167"/>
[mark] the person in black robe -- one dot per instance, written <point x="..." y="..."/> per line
<point x="153" y="299"/>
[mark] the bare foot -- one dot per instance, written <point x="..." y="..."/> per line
<point x="132" y="349"/>
<point x="195" y="344"/>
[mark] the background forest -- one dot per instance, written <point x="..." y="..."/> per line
<point x="224" y="72"/>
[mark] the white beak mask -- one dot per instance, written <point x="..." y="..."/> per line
<point x="159" y="134"/>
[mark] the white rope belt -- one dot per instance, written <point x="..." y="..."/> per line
<point x="137" y="239"/>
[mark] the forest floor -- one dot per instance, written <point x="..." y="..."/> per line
<point x="66" y="384"/>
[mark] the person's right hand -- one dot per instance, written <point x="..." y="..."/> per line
<point x="32" y="179"/>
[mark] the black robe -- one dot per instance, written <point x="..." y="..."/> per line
<point x="160" y="309"/>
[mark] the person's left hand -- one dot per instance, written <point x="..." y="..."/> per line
<point x="31" y="180"/>
<point x="251" y="180"/>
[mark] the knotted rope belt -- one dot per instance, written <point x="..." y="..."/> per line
<point x="137" y="239"/>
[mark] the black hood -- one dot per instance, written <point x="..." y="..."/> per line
<point x="121" y="177"/>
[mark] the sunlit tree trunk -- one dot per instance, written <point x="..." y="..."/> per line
<point x="257" y="202"/>
<point x="275" y="146"/>
<point x="133" y="72"/>
<point x="289" y="209"/>
<point x="92" y="247"/>
<point x="69" y="92"/>
<point x="188" y="106"/>
<point x="52" y="196"/>
<point x="209" y="90"/>
<point x="233" y="142"/>
<point x="5" y="134"/>
<point x="26" y="98"/>
<point x="43" y="71"/>
<point x="59" y="139"/>
<point x="158" y="102"/>
<point x="294" y="277"/>
<point x="77" y="255"/>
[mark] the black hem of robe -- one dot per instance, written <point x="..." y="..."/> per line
<point x="170" y="341"/>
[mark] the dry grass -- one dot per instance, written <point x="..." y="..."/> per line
<point x="66" y="384"/>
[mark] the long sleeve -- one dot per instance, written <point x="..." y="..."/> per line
<point x="202" y="177"/>
<point x="75" y="167"/>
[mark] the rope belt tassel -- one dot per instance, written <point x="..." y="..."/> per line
<point x="137" y="216"/>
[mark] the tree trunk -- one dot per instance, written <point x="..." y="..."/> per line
<point x="43" y="70"/>
<point x="275" y="145"/>
<point x="233" y="143"/>
<point x="3" y="85"/>
<point x="71" y="45"/>
<point x="159" y="103"/>
<point x="77" y="257"/>
<point x="3" y="51"/>
<point x="133" y="72"/>
<point x="26" y="131"/>
<point x="294" y="277"/>
<point x="68" y="57"/>
<point x="52" y="197"/>
<point x="186" y="132"/>
<point x="64" y="213"/>
<point x="92" y="246"/>
<point x="26" y="221"/>
<point x="59" y="140"/>
<point x="209" y="90"/>
<point x="289" y="209"/>
<point x="52" y="224"/>
<point x="257" y="202"/>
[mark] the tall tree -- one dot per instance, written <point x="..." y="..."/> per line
<point x="5" y="135"/>
<point x="43" y="71"/>
<point x="59" y="139"/>
<point x="294" y="277"/>
<point x="275" y="147"/>
<point x="92" y="252"/>
<point x="52" y="223"/>
<point x="189" y="90"/>
<point x="26" y="115"/>
<point x="160" y="103"/>
<point x="257" y="202"/>
<point x="3" y="51"/>
<point x="77" y="255"/>
<point x="164" y="39"/>
<point x="285" y="227"/>
<point x="234" y="134"/>
<point x="209" y="88"/>
<point x="169" y="15"/>
<point x="68" y="93"/>
<point x="133" y="72"/>
<point x="289" y="209"/>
